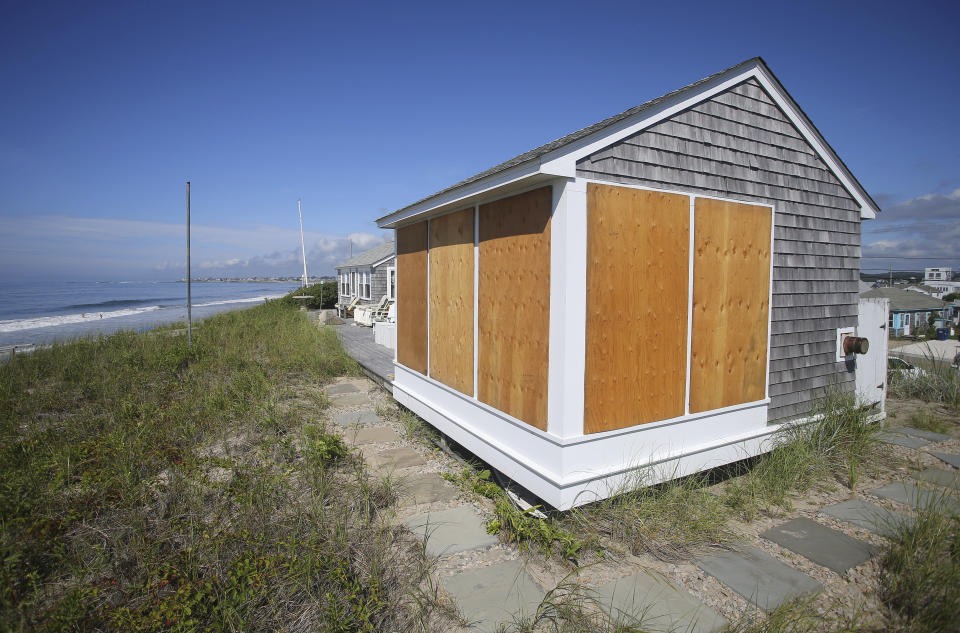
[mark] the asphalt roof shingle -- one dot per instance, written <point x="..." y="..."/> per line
<point x="905" y="299"/>
<point x="372" y="256"/>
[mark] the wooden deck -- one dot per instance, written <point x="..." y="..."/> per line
<point x="376" y="360"/>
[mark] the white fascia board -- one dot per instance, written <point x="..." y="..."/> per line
<point x="563" y="161"/>
<point x="382" y="261"/>
<point x="868" y="209"/>
<point x="462" y="196"/>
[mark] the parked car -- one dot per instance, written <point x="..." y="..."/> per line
<point x="896" y="365"/>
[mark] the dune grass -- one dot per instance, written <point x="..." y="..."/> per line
<point x="920" y="578"/>
<point x="938" y="382"/>
<point x="150" y="486"/>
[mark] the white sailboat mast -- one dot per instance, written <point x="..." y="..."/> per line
<point x="302" y="247"/>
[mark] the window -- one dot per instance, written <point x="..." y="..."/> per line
<point x="392" y="284"/>
<point x="353" y="284"/>
<point x="365" y="286"/>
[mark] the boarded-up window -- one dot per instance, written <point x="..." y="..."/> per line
<point x="731" y="293"/>
<point x="412" y="296"/>
<point x="514" y="305"/>
<point x="637" y="295"/>
<point x="451" y="300"/>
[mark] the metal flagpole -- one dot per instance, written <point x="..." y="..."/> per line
<point x="189" y="306"/>
<point x="302" y="248"/>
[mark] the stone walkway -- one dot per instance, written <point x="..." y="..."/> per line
<point x="491" y="584"/>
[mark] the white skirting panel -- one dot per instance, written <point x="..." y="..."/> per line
<point x="567" y="472"/>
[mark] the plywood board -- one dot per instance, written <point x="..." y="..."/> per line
<point x="514" y="305"/>
<point x="731" y="290"/>
<point x="412" y="296"/>
<point x="638" y="245"/>
<point x="451" y="300"/>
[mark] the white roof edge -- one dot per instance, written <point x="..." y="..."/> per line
<point x="563" y="160"/>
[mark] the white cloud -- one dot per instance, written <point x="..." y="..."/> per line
<point x="926" y="226"/>
<point x="111" y="248"/>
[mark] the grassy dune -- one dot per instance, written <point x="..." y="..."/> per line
<point x="148" y="486"/>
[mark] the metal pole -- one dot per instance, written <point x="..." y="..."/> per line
<point x="302" y="248"/>
<point x="189" y="306"/>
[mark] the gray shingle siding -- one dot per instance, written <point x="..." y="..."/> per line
<point x="378" y="280"/>
<point x="740" y="145"/>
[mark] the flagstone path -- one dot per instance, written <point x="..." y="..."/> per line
<point x="491" y="584"/>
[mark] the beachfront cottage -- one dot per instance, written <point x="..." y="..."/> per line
<point x="368" y="276"/>
<point x="661" y="289"/>
<point x="909" y="310"/>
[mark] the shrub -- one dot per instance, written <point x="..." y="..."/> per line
<point x="323" y="296"/>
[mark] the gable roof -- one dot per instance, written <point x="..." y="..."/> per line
<point x="558" y="158"/>
<point x="905" y="299"/>
<point x="368" y="258"/>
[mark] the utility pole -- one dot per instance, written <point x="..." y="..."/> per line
<point x="189" y="306"/>
<point x="891" y="275"/>
<point x="302" y="247"/>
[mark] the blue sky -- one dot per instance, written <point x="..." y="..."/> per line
<point x="362" y="108"/>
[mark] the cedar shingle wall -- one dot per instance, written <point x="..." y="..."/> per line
<point x="740" y="145"/>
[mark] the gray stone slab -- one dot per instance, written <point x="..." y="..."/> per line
<point x="900" y="439"/>
<point x="490" y="595"/>
<point x="927" y="435"/>
<point x="451" y="531"/>
<point x="869" y="516"/>
<point x="349" y="418"/>
<point x="426" y="488"/>
<point x="949" y="458"/>
<point x="359" y="436"/>
<point x="824" y="546"/>
<point x="758" y="577"/>
<point x="911" y="495"/>
<point x="648" y="600"/>
<point x="940" y="477"/>
<point x="394" y="458"/>
<point x="343" y="387"/>
<point x="349" y="399"/>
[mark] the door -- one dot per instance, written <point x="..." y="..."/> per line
<point x="873" y="315"/>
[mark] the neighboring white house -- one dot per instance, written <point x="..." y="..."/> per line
<point x="368" y="276"/>
<point x="940" y="281"/>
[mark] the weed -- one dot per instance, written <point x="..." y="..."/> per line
<point x="839" y="443"/>
<point x="936" y="382"/>
<point x="926" y="420"/>
<point x="323" y="448"/>
<point x="671" y="520"/>
<point x="150" y="486"/>
<point x="920" y="578"/>
<point x="519" y="526"/>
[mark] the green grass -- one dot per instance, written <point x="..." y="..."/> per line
<point x="939" y="383"/>
<point x="150" y="486"/>
<point x="837" y="447"/>
<point x="671" y="521"/>
<point x="928" y="421"/>
<point x="920" y="577"/>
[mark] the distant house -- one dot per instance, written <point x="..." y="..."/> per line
<point x="908" y="309"/>
<point x="368" y="276"/>
<point x="940" y="281"/>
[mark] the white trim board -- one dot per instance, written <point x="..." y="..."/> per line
<point x="565" y="475"/>
<point x="563" y="160"/>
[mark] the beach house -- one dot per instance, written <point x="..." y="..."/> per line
<point x="660" y="291"/>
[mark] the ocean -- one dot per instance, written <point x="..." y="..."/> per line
<point x="37" y="313"/>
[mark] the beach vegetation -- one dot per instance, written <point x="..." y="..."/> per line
<point x="151" y="485"/>
<point x="323" y="296"/>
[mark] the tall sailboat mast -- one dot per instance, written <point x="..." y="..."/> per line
<point x="302" y="247"/>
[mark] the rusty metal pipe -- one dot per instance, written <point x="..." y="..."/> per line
<point x="855" y="345"/>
